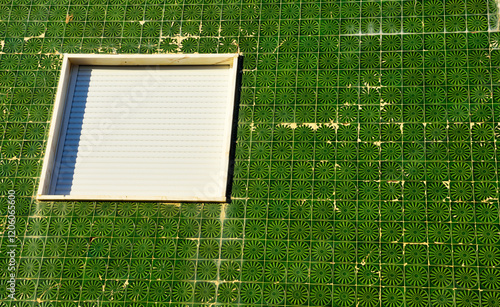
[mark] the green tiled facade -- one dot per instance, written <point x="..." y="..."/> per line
<point x="365" y="168"/>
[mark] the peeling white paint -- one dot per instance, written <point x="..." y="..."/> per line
<point x="314" y="126"/>
<point x="290" y="125"/>
<point x="30" y="37"/>
<point x="447" y="184"/>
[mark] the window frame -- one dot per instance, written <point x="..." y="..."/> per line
<point x="62" y="108"/>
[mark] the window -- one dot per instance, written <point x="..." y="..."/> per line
<point x="141" y="127"/>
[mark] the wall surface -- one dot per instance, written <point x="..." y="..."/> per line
<point x="366" y="166"/>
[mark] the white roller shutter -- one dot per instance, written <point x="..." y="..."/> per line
<point x="146" y="132"/>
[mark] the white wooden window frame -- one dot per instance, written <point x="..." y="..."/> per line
<point x="62" y="106"/>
